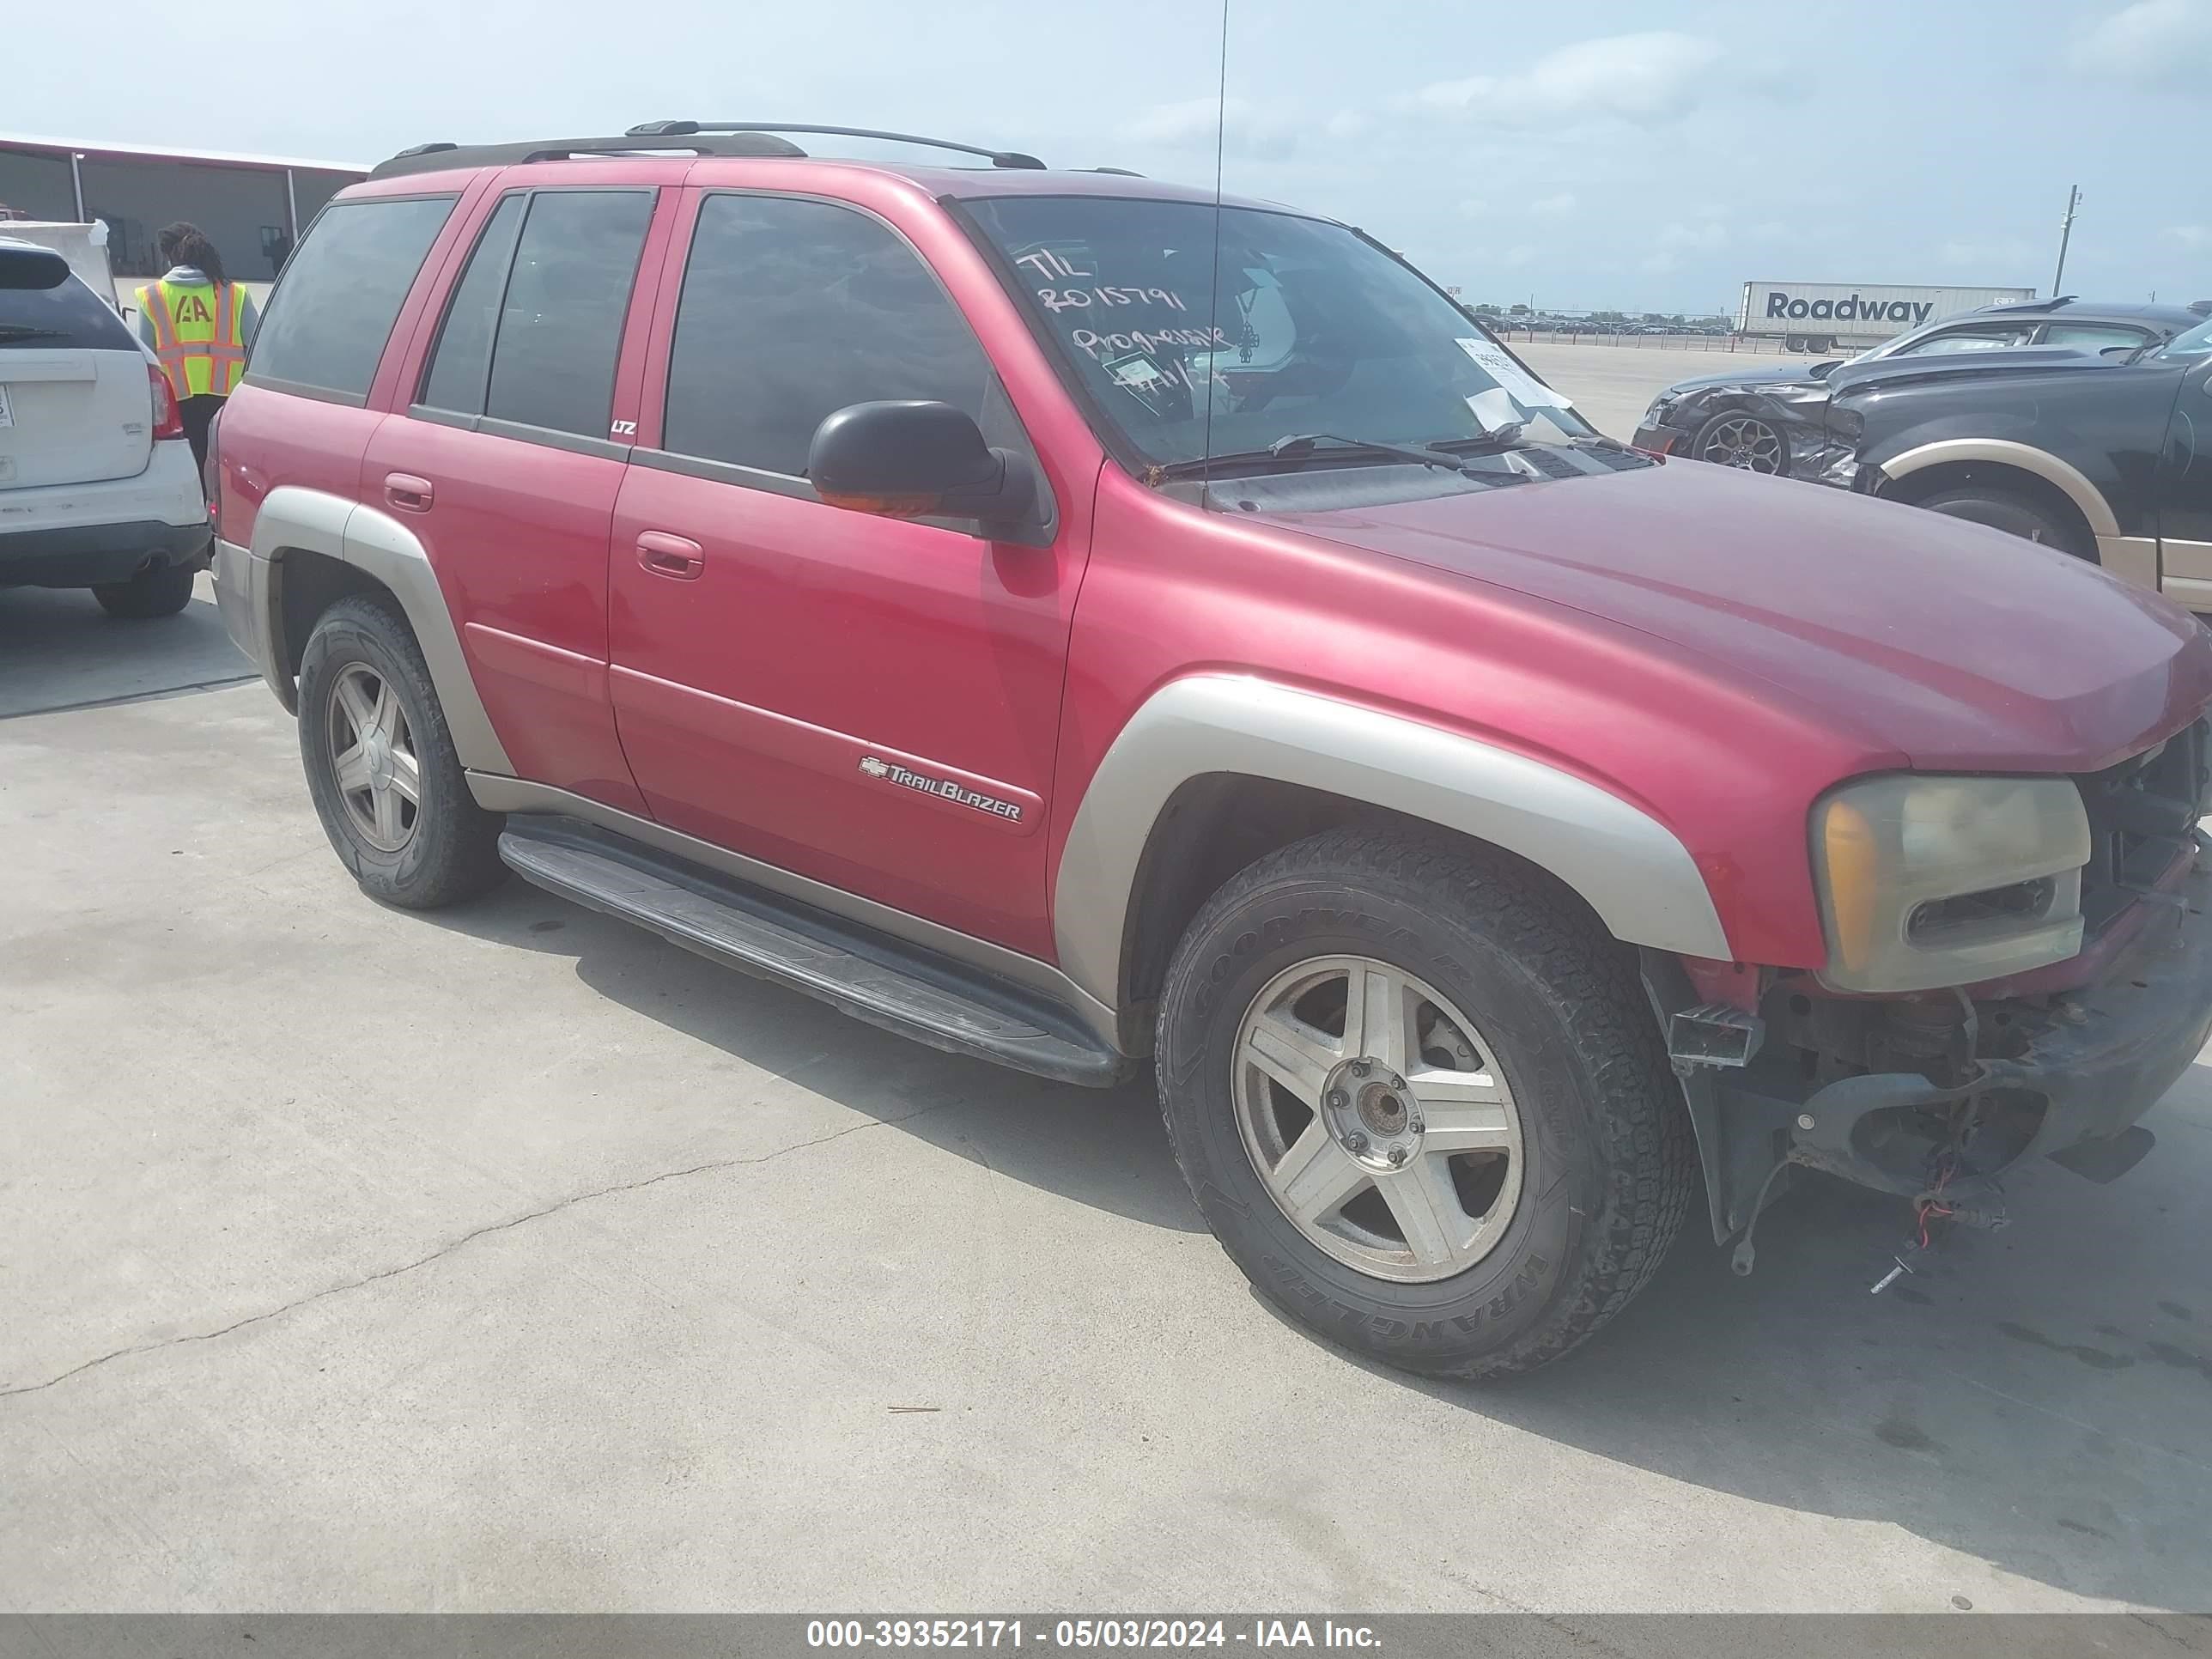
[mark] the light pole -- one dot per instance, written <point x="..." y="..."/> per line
<point x="2065" y="234"/>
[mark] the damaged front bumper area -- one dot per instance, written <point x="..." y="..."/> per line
<point x="1793" y="413"/>
<point x="1944" y="1090"/>
<point x="1661" y="438"/>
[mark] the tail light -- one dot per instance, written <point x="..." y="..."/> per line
<point x="167" y="422"/>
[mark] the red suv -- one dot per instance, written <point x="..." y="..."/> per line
<point x="1073" y="622"/>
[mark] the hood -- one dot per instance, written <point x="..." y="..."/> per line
<point x="1959" y="647"/>
<point x="2000" y="364"/>
<point x="1764" y="376"/>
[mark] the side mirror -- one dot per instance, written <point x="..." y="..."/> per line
<point x="915" y="459"/>
<point x="1821" y="371"/>
<point x="2121" y="353"/>
<point x="24" y="266"/>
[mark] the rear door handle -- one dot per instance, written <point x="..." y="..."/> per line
<point x="671" y="556"/>
<point x="408" y="493"/>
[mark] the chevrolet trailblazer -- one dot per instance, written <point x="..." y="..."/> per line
<point x="1073" y="622"/>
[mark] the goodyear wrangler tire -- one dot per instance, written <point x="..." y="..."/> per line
<point x="1423" y="1102"/>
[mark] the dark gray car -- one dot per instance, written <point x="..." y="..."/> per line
<point x="1766" y="417"/>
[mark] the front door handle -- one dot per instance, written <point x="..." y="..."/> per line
<point x="676" y="556"/>
<point x="409" y="493"/>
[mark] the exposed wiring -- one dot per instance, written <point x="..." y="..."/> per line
<point x="1944" y="1161"/>
<point x="1744" y="1254"/>
<point x="1970" y="1023"/>
<point x="1929" y="1204"/>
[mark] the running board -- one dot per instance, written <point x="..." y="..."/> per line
<point x="885" y="982"/>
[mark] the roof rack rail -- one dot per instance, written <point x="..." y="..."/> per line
<point x="2032" y="305"/>
<point x="997" y="158"/>
<point x="438" y="156"/>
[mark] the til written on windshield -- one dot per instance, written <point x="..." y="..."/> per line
<point x="1196" y="328"/>
<point x="1136" y="332"/>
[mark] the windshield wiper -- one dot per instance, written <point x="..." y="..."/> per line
<point x="1303" y="446"/>
<point x="1513" y="435"/>
<point x="1305" y="443"/>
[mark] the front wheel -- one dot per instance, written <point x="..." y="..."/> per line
<point x="2001" y="510"/>
<point x="1422" y="1102"/>
<point x="1733" y="438"/>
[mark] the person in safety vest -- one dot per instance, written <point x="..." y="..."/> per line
<point x="198" y="324"/>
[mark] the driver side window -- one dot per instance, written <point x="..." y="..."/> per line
<point x="2092" y="337"/>
<point x="793" y="309"/>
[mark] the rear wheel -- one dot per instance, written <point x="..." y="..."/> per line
<point x="1422" y="1101"/>
<point x="381" y="767"/>
<point x="162" y="591"/>
<point x="2014" y="515"/>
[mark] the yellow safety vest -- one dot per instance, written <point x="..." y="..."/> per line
<point x="196" y="330"/>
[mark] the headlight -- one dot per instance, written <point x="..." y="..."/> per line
<point x="1931" y="881"/>
<point x="1657" y="413"/>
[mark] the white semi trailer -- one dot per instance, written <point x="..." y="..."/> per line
<point x="1828" y="317"/>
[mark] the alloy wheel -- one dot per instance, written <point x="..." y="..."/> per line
<point x="1742" y="441"/>
<point x="372" y="751"/>
<point x="1375" y="1115"/>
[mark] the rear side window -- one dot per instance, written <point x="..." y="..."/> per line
<point x="1970" y="339"/>
<point x="561" y="321"/>
<point x="57" y="319"/>
<point x="342" y="291"/>
<point x="2093" y="337"/>
<point x="462" y="361"/>
<point x="793" y="309"/>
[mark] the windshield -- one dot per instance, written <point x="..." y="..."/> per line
<point x="2196" y="342"/>
<point x="1308" y="329"/>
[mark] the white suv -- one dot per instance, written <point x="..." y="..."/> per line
<point x="97" y="485"/>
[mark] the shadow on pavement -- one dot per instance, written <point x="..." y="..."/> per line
<point x="58" y="649"/>
<point x="2037" y="1398"/>
<point x="1104" y="1148"/>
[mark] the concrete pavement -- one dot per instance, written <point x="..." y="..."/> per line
<point x="512" y="1258"/>
<point x="58" y="649"/>
<point x="1612" y="385"/>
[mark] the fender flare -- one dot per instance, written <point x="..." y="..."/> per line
<point x="2064" y="475"/>
<point x="1629" y="868"/>
<point x="294" y="519"/>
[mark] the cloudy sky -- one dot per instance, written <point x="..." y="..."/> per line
<point x="1651" y="153"/>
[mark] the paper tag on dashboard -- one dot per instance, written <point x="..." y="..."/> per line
<point x="1525" y="387"/>
<point x="1495" y="408"/>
